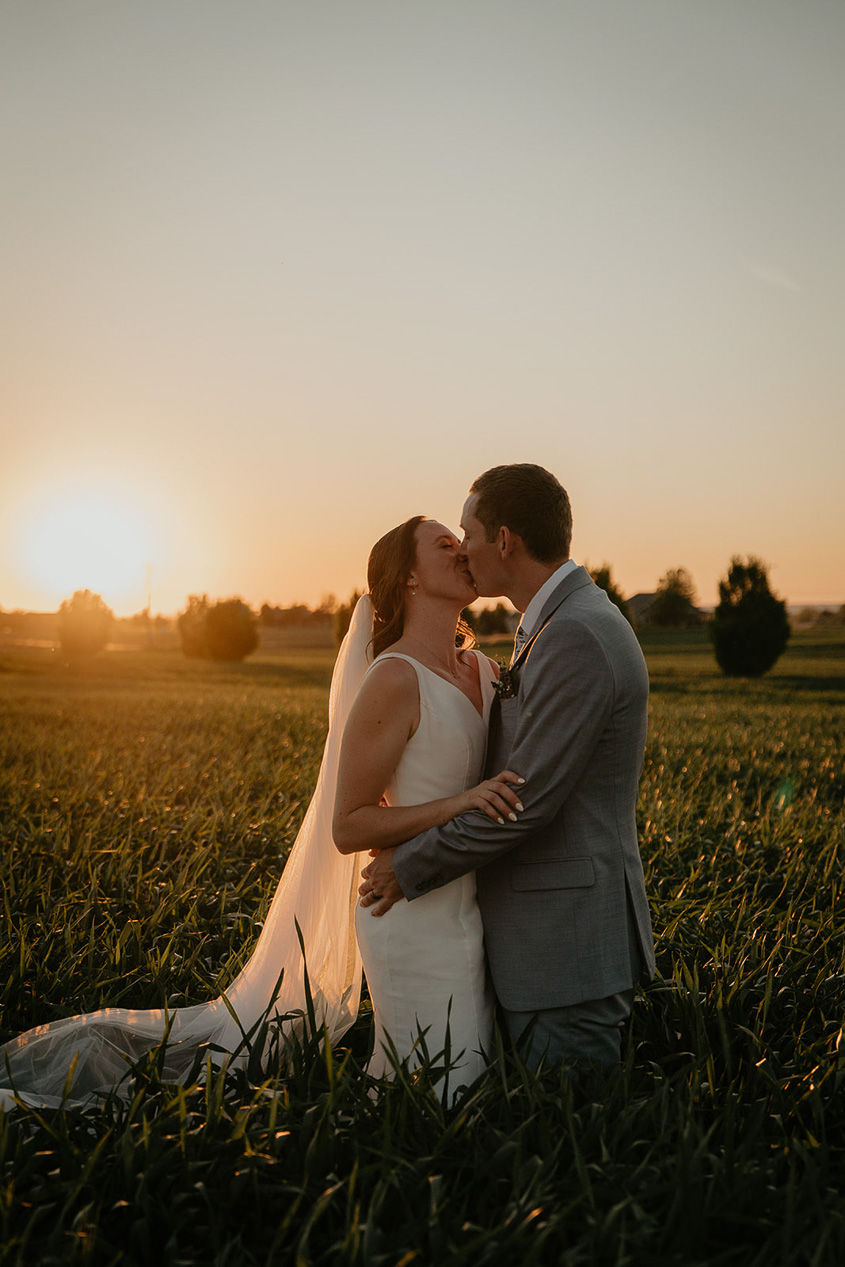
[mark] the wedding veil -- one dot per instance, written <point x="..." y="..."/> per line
<point x="317" y="892"/>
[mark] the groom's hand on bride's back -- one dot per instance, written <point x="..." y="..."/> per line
<point x="379" y="888"/>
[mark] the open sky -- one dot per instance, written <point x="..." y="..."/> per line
<point x="275" y="275"/>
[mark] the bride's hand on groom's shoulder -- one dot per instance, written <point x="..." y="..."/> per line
<point x="495" y="797"/>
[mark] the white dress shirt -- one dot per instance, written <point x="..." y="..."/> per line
<point x="532" y="612"/>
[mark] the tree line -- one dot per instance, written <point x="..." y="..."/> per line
<point x="749" y="628"/>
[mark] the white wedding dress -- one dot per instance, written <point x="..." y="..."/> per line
<point x="424" y="960"/>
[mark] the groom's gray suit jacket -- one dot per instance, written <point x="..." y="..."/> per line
<point x="561" y="891"/>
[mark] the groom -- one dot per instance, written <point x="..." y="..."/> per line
<point x="566" y="922"/>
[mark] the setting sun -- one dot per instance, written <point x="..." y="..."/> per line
<point x="86" y="540"/>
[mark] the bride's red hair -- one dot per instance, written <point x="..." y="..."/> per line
<point x="388" y="568"/>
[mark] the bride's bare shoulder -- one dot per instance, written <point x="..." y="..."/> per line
<point x="389" y="674"/>
<point x="389" y="692"/>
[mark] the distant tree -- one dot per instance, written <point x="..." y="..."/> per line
<point x="327" y="607"/>
<point x="343" y="615"/>
<point x="604" y="579"/>
<point x="298" y="615"/>
<point x="750" y="627"/>
<point x="191" y="626"/>
<point x="491" y="620"/>
<point x="231" y="630"/>
<point x="85" y="623"/>
<point x="674" y="602"/>
<point x="295" y="615"/>
<point x="826" y="619"/>
<point x="819" y="617"/>
<point x="227" y="630"/>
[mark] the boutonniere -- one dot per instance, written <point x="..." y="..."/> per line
<point x="506" y="685"/>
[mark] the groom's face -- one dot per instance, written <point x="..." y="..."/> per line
<point x="482" y="556"/>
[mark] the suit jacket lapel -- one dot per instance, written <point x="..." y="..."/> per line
<point x="574" y="581"/>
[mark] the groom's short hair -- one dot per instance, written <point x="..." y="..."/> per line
<point x="531" y="502"/>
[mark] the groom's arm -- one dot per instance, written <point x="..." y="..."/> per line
<point x="567" y="693"/>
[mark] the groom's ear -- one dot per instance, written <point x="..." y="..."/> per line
<point x="506" y="542"/>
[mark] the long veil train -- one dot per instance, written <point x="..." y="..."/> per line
<point x="317" y="892"/>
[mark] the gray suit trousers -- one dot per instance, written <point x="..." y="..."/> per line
<point x="587" y="1034"/>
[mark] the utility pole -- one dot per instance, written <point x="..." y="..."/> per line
<point x="148" y="569"/>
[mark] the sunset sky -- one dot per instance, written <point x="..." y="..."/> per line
<point x="277" y="274"/>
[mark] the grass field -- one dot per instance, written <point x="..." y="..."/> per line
<point x="146" y="805"/>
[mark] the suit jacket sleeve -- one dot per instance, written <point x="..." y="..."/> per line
<point x="566" y="697"/>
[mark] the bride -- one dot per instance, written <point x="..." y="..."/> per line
<point x="416" y="970"/>
<point x="414" y="743"/>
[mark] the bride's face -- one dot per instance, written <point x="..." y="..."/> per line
<point x="439" y="567"/>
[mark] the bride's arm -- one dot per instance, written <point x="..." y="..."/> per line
<point x="383" y="718"/>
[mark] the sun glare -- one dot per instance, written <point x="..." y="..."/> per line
<point x="87" y="540"/>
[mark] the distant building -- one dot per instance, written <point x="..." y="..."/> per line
<point x="640" y="609"/>
<point x="639" y="606"/>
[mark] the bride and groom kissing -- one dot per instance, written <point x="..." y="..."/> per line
<point x="555" y="861"/>
<point x="499" y="811"/>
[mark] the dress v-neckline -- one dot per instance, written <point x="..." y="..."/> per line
<point x="479" y="713"/>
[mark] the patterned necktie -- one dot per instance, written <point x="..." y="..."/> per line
<point x="518" y="642"/>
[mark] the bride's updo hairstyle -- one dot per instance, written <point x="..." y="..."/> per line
<point x="388" y="568"/>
